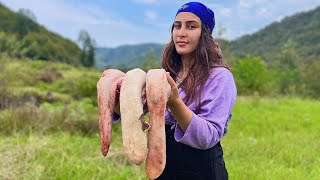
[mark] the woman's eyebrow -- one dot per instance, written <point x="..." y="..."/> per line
<point x="187" y="22"/>
<point x="193" y="22"/>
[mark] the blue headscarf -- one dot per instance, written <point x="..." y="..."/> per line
<point x="204" y="13"/>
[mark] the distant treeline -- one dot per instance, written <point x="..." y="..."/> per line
<point x="290" y="77"/>
<point x="287" y="75"/>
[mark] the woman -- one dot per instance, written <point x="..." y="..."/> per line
<point x="202" y="97"/>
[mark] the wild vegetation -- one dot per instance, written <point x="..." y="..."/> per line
<point x="34" y="93"/>
<point x="49" y="118"/>
<point x="269" y="138"/>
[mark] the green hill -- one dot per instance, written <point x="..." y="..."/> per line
<point x="22" y="37"/>
<point x="302" y="29"/>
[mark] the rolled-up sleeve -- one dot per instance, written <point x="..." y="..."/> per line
<point x="207" y="127"/>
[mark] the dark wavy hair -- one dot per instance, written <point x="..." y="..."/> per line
<point x="208" y="55"/>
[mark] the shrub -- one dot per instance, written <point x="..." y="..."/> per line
<point x="251" y="75"/>
<point x="48" y="118"/>
<point x="86" y="86"/>
<point x="49" y="75"/>
<point x="311" y="77"/>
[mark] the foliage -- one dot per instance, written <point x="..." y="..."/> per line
<point x="28" y="13"/>
<point x="88" y="46"/>
<point x="86" y="86"/>
<point x="22" y="37"/>
<point x="251" y="75"/>
<point x="289" y="74"/>
<point x="288" y="69"/>
<point x="75" y="118"/>
<point x="150" y="62"/>
<point x="301" y="28"/>
<point x="311" y="77"/>
<point x="44" y="97"/>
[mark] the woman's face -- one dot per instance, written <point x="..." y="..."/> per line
<point x="186" y="33"/>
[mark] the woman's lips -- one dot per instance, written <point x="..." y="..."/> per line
<point x="182" y="43"/>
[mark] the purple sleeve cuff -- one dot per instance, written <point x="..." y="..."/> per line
<point x="115" y="118"/>
<point x="200" y="133"/>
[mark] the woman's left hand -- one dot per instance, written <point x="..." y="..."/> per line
<point x="174" y="93"/>
<point x="178" y="109"/>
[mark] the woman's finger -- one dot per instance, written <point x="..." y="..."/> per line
<point x="170" y="80"/>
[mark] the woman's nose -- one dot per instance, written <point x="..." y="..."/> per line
<point x="182" y="33"/>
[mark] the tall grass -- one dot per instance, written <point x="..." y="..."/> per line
<point x="44" y="97"/>
<point x="78" y="117"/>
<point x="269" y="138"/>
<point x="274" y="139"/>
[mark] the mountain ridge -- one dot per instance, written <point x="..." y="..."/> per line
<point x="300" y="28"/>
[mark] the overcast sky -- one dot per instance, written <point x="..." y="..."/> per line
<point x="117" y="22"/>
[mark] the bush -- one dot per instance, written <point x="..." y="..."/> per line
<point x="49" y="75"/>
<point x="251" y="76"/>
<point x="77" y="118"/>
<point x="311" y="77"/>
<point x="86" y="86"/>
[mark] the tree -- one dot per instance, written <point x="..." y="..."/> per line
<point x="23" y="25"/>
<point x="290" y="68"/>
<point x="87" y="45"/>
<point x="27" y="13"/>
<point x="288" y="55"/>
<point x="150" y="62"/>
<point x="251" y="75"/>
<point x="311" y="77"/>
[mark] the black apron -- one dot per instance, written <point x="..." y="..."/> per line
<point x="184" y="162"/>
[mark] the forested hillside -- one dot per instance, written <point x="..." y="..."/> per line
<point x="22" y="37"/>
<point x="300" y="31"/>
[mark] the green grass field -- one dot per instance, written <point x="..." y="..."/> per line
<point x="269" y="138"/>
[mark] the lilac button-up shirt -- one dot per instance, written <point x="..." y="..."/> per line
<point x="208" y="126"/>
